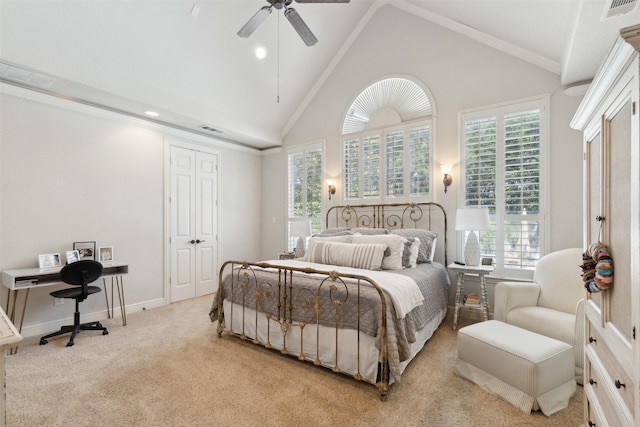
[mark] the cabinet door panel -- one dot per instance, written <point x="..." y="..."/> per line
<point x="619" y="220"/>
<point x="593" y="197"/>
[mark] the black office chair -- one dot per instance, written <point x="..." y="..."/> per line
<point x="80" y="274"/>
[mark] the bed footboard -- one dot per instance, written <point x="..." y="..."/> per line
<point x="334" y="320"/>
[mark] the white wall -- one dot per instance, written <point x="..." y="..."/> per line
<point x="73" y="173"/>
<point x="461" y="74"/>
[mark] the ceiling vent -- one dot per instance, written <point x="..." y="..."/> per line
<point x="210" y="129"/>
<point x="618" y="7"/>
<point x="11" y="72"/>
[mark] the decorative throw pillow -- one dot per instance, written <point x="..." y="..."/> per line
<point x="365" y="256"/>
<point x="427" y="242"/>
<point x="410" y="253"/>
<point x="395" y="244"/>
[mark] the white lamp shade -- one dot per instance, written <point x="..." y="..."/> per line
<point x="300" y="228"/>
<point x="472" y="219"/>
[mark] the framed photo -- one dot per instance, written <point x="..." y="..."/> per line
<point x="49" y="260"/>
<point x="86" y="250"/>
<point x="487" y="261"/>
<point x="105" y="253"/>
<point x="73" y="256"/>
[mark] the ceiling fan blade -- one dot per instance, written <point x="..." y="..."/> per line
<point x="254" y="22"/>
<point x="298" y="24"/>
<point x="323" y="1"/>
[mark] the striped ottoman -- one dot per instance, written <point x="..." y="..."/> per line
<point x="526" y="369"/>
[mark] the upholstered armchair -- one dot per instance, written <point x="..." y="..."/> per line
<point x="551" y="305"/>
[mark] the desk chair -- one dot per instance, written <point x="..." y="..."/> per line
<point x="79" y="274"/>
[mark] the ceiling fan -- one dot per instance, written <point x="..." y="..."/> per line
<point x="292" y="16"/>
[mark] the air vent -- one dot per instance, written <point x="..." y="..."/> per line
<point x="11" y="72"/>
<point x="618" y="7"/>
<point x="210" y="129"/>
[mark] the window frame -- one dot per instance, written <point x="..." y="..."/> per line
<point x="316" y="222"/>
<point x="500" y="111"/>
<point x="382" y="132"/>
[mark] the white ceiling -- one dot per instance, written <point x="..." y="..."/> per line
<point x="193" y="69"/>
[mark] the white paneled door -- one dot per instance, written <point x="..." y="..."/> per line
<point x="194" y="223"/>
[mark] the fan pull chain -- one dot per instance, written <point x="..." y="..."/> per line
<point x="278" y="78"/>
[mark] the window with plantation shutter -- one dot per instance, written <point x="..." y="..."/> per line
<point x="396" y="168"/>
<point x="503" y="150"/>
<point x="389" y="161"/>
<point x="305" y="166"/>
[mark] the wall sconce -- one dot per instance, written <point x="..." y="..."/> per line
<point x="332" y="188"/>
<point x="447" y="178"/>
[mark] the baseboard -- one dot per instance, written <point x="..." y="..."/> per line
<point x="39" y="329"/>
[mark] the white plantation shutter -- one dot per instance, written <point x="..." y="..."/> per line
<point x="388" y="157"/>
<point x="503" y="163"/>
<point x="419" y="155"/>
<point x="351" y="157"/>
<point x="305" y="169"/>
<point x="399" y="169"/>
<point x="394" y="142"/>
<point x="522" y="189"/>
<point x="480" y="140"/>
<point x="371" y="167"/>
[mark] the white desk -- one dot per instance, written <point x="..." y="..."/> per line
<point x="461" y="270"/>
<point x="27" y="278"/>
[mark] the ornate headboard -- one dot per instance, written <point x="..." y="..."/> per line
<point x="428" y="215"/>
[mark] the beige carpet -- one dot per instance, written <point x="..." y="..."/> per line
<point x="167" y="367"/>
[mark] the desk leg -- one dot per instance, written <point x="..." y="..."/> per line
<point x="123" y="309"/>
<point x="12" y="314"/>
<point x="120" y="289"/>
<point x="459" y="295"/>
<point x="483" y="295"/>
<point x="106" y="296"/>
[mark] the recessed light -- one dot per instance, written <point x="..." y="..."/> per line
<point x="151" y="113"/>
<point x="261" y="52"/>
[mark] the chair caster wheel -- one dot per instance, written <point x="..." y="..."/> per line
<point x="105" y="332"/>
<point x="43" y="341"/>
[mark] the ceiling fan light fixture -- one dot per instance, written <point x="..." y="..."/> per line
<point x="261" y="52"/>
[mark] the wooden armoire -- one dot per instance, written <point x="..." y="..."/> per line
<point x="609" y="119"/>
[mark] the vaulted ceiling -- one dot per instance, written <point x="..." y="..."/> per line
<point x="183" y="58"/>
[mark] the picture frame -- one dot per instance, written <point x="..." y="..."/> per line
<point x="105" y="254"/>
<point x="73" y="256"/>
<point x="49" y="260"/>
<point x="487" y="261"/>
<point x="86" y="250"/>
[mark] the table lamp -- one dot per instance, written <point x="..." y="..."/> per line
<point x="300" y="229"/>
<point x="471" y="220"/>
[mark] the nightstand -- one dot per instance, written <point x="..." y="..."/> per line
<point x="287" y="255"/>
<point x="461" y="270"/>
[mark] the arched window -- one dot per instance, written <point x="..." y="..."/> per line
<point x="387" y="142"/>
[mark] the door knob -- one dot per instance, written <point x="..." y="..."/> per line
<point x="199" y="241"/>
<point x="191" y="241"/>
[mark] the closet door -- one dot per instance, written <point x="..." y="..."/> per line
<point x="194" y="218"/>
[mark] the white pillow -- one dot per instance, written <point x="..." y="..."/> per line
<point x="366" y="256"/>
<point x="395" y="247"/>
